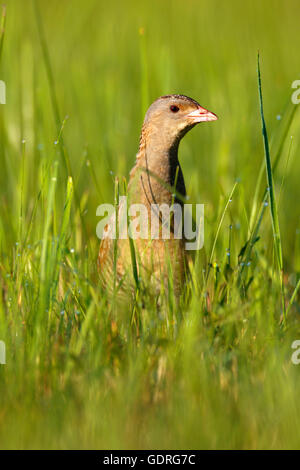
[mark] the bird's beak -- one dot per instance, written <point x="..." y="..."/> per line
<point x="202" y="115"/>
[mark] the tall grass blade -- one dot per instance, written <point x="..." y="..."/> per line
<point x="63" y="231"/>
<point x="117" y="203"/>
<point x="2" y="29"/>
<point x="219" y="228"/>
<point x="287" y="120"/>
<point x="272" y="199"/>
<point x="293" y="297"/>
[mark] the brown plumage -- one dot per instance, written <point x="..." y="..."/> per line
<point x="152" y="181"/>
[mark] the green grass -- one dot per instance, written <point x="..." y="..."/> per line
<point x="216" y="371"/>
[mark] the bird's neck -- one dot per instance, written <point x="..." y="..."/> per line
<point x="158" y="169"/>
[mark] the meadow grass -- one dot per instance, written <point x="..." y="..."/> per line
<point x="216" y="370"/>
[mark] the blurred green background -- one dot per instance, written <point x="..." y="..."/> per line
<point x="79" y="78"/>
<point x="106" y="75"/>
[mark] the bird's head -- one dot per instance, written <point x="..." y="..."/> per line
<point x="170" y="117"/>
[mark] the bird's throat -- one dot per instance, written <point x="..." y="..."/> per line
<point x="157" y="175"/>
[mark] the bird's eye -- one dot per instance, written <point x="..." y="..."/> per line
<point x="174" y="108"/>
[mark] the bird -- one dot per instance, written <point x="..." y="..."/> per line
<point x="155" y="179"/>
